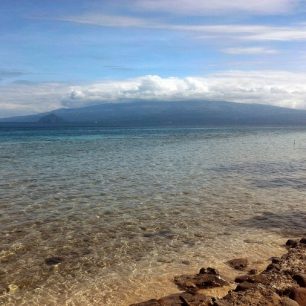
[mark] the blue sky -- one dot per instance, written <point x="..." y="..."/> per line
<point x="72" y="53"/>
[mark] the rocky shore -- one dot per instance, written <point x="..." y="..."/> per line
<point x="283" y="282"/>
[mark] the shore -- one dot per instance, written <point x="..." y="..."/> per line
<point x="282" y="282"/>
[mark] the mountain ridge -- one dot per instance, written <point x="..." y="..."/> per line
<point x="167" y="113"/>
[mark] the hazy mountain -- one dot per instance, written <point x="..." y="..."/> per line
<point x="51" y="119"/>
<point x="187" y="113"/>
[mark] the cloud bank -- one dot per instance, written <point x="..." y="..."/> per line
<point x="265" y="87"/>
<point x="205" y="7"/>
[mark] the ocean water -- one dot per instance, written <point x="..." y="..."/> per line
<point x="126" y="210"/>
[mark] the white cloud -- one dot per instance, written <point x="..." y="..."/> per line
<point x="280" y="34"/>
<point x="107" y="20"/>
<point x="250" y="50"/>
<point x="28" y="98"/>
<point x="150" y="87"/>
<point x="266" y="87"/>
<point x="206" y="7"/>
<point x="252" y="32"/>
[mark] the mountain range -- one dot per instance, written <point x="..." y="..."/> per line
<point x="164" y="114"/>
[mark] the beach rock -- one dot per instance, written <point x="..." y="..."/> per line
<point x="253" y="272"/>
<point x="221" y="303"/>
<point x="283" y="283"/>
<point x="186" y="262"/>
<point x="209" y="270"/>
<point x="238" y="263"/>
<point x="55" y="260"/>
<point x="273" y="267"/>
<point x="291" y="243"/>
<point x="261" y="279"/>
<point x="300" y="278"/>
<point x="299" y="295"/>
<point x="285" y="301"/>
<point x="207" y="278"/>
<point x="244" y="278"/>
<point x="246" y="286"/>
<point x="303" y="240"/>
<point x="253" y="297"/>
<point x="152" y="302"/>
<point x="185" y="299"/>
<point x="276" y="260"/>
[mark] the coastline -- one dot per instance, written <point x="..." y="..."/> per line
<point x="281" y="282"/>
<point x="152" y="281"/>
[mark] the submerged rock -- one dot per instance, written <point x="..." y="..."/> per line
<point x="185" y="299"/>
<point x="152" y="302"/>
<point x="238" y="263"/>
<point x="185" y="262"/>
<point x="55" y="260"/>
<point x="179" y="299"/>
<point x="291" y="243"/>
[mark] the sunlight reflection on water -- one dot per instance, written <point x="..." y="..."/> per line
<point x="126" y="209"/>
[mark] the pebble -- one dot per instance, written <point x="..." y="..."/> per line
<point x="12" y="288"/>
<point x="52" y="261"/>
<point x="185" y="262"/>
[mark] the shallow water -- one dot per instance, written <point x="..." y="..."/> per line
<point x="128" y="209"/>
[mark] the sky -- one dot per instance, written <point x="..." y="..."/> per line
<point x="73" y="53"/>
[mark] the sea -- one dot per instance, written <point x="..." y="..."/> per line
<point x="95" y="216"/>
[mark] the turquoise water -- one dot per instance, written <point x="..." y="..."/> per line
<point x="127" y="209"/>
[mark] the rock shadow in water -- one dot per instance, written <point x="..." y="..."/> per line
<point x="286" y="223"/>
<point x="295" y="183"/>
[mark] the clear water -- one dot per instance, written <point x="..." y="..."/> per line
<point x="128" y="209"/>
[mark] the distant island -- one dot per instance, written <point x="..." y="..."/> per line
<point x="166" y="114"/>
